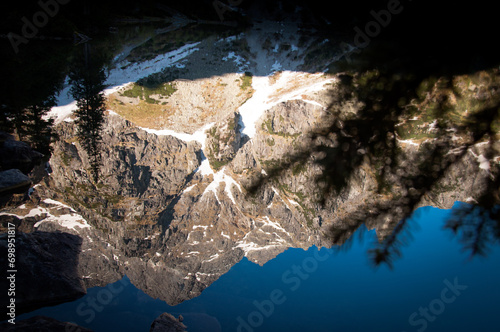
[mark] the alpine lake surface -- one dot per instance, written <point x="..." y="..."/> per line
<point x="434" y="286"/>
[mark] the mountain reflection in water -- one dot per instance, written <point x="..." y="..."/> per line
<point x="434" y="287"/>
<point x="177" y="212"/>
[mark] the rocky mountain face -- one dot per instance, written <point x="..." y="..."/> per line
<point x="223" y="141"/>
<point x="174" y="226"/>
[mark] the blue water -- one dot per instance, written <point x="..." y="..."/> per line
<point x="434" y="286"/>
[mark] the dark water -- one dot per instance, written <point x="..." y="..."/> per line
<point x="434" y="287"/>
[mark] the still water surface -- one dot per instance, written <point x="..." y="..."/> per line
<point x="434" y="286"/>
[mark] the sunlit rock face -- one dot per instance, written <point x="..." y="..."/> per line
<point x="223" y="141"/>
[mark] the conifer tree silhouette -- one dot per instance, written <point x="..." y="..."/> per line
<point x="87" y="85"/>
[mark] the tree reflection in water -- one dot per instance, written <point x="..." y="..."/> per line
<point x="87" y="84"/>
<point x="391" y="95"/>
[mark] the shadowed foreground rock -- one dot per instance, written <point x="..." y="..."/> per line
<point x="16" y="154"/>
<point x="167" y="323"/>
<point x="17" y="159"/>
<point x="46" y="269"/>
<point x="42" y="324"/>
<point x="13" y="181"/>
